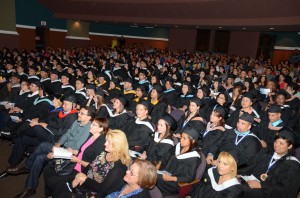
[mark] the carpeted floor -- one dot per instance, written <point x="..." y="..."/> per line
<point x="12" y="185"/>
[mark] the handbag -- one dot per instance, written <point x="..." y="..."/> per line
<point x="64" y="167"/>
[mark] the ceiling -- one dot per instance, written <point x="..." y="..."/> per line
<point x="250" y="15"/>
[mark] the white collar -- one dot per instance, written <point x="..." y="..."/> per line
<point x="148" y="124"/>
<point x="33" y="94"/>
<point x="157" y="139"/>
<point x="114" y="115"/>
<point x="15" y="85"/>
<point x="185" y="155"/>
<point x="67" y="86"/>
<point x="57" y="80"/>
<point x="224" y="185"/>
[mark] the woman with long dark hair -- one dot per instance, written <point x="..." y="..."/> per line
<point x="180" y="164"/>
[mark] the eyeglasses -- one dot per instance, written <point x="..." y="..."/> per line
<point x="131" y="172"/>
<point x="81" y="113"/>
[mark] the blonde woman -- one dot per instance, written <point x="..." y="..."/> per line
<point x="221" y="180"/>
<point x="106" y="172"/>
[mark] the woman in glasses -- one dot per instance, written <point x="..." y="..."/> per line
<point x="137" y="180"/>
<point x="105" y="172"/>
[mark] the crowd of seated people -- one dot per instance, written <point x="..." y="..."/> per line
<point x="134" y="119"/>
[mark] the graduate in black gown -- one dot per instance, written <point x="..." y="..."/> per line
<point x="161" y="142"/>
<point x="119" y="117"/>
<point x="277" y="172"/>
<point x="139" y="129"/>
<point x="242" y="141"/>
<point x="180" y="164"/>
<point x="214" y="133"/>
<point x="220" y="181"/>
<point x="159" y="106"/>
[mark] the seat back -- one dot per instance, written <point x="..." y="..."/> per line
<point x="176" y="114"/>
<point x="155" y="193"/>
<point x="201" y="168"/>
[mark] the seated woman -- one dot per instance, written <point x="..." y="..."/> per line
<point x="119" y="117"/>
<point x="159" y="105"/>
<point x="213" y="135"/>
<point x="87" y="153"/>
<point x="102" y="110"/>
<point x="139" y="129"/>
<point x="190" y="117"/>
<point x="105" y="172"/>
<point x="184" y="99"/>
<point x="138" y="181"/>
<point x="221" y="181"/>
<point x="276" y="172"/>
<point x="162" y="141"/>
<point x="180" y="164"/>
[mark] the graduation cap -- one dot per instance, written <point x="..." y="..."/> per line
<point x="274" y="109"/>
<point x="99" y="92"/>
<point x="287" y="134"/>
<point x="143" y="71"/>
<point x="81" y="79"/>
<point x="249" y="95"/>
<point x="90" y="86"/>
<point x="197" y="101"/>
<point x="129" y="80"/>
<point x="122" y="100"/>
<point x="70" y="98"/>
<point x="191" y="132"/>
<point x="171" y="121"/>
<point x="158" y="88"/>
<point x="240" y="84"/>
<point x="231" y="76"/>
<point x="54" y="71"/>
<point x="146" y="104"/>
<point x="16" y="75"/>
<point x="284" y="93"/>
<point x="221" y="111"/>
<point x="66" y="74"/>
<point x="36" y="82"/>
<point x="247" y="117"/>
<point x="44" y="69"/>
<point x="101" y="75"/>
<point x="233" y="154"/>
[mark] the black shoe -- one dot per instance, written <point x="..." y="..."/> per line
<point x="4" y="174"/>
<point x="26" y="193"/>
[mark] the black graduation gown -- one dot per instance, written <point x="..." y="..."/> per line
<point x="234" y="118"/>
<point x="246" y="148"/>
<point x="204" y="109"/>
<point x="268" y="135"/>
<point x="171" y="96"/>
<point x="183" y="100"/>
<point x="138" y="132"/>
<point x="39" y="108"/>
<point x="103" y="112"/>
<point x="157" y="148"/>
<point x="67" y="90"/>
<point x="289" y="116"/>
<point x="294" y="104"/>
<point x="283" y="179"/>
<point x="20" y="100"/>
<point x="158" y="111"/>
<point x="210" y="188"/>
<point x="113" y="93"/>
<point x="118" y="121"/>
<point x="46" y="82"/>
<point x="211" y="141"/>
<point x="197" y="124"/>
<point x="103" y="86"/>
<point x="183" y="166"/>
<point x="55" y="87"/>
<point x="81" y="97"/>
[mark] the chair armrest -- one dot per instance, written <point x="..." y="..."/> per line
<point x="188" y="183"/>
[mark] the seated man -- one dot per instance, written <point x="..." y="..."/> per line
<point x="242" y="141"/>
<point x="41" y="132"/>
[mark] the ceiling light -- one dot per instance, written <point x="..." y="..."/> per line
<point x="149" y="27"/>
<point x="220" y="27"/>
<point x="244" y="28"/>
<point x="271" y="28"/>
<point x="197" y="26"/>
<point x="176" y="26"/>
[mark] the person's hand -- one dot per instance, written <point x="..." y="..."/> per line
<point x="253" y="184"/>
<point x="274" y="128"/>
<point x="80" y="179"/>
<point x="209" y="159"/>
<point x="50" y="155"/>
<point x="263" y="143"/>
<point x="75" y="159"/>
<point x="177" y="135"/>
<point x="257" y="120"/>
<point x="167" y="177"/>
<point x="143" y="155"/>
<point x="16" y="109"/>
<point x="43" y="124"/>
<point x="57" y="145"/>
